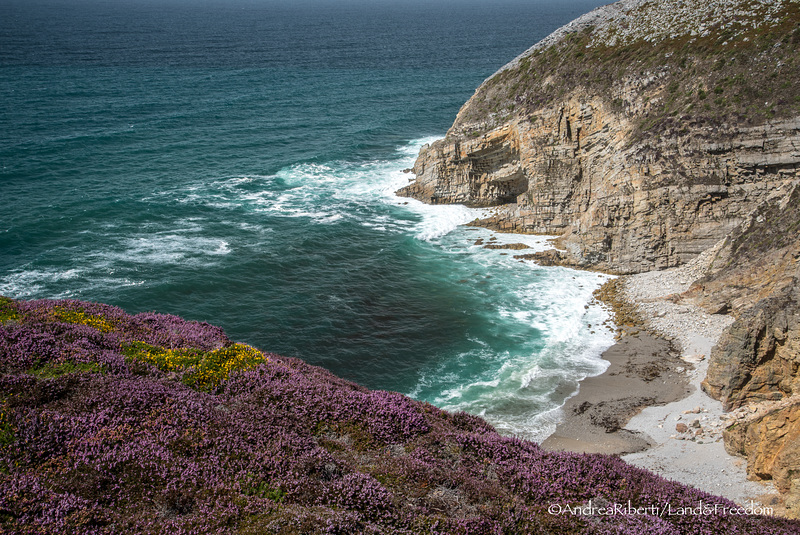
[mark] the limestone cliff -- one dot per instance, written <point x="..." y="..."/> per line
<point x="770" y="440"/>
<point x="755" y="367"/>
<point x="756" y="275"/>
<point x="639" y="149"/>
<point x="642" y="134"/>
<point x="619" y="206"/>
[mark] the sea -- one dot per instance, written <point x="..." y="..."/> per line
<point x="235" y="162"/>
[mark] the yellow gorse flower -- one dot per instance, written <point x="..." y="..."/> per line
<point x="204" y="369"/>
<point x="79" y="317"/>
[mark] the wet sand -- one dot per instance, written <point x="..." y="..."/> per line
<point x="644" y="370"/>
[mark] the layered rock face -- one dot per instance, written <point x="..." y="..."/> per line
<point x="619" y="205"/>
<point x="755" y="367"/>
<point x="756" y="275"/>
<point x="758" y="358"/>
<point x="642" y="134"/>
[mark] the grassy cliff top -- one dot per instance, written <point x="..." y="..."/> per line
<point x="666" y="64"/>
<point x="112" y="423"/>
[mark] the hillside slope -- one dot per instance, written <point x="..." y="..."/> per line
<point x="111" y="423"/>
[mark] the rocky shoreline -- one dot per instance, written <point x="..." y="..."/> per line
<point x="662" y="421"/>
<point x="639" y="158"/>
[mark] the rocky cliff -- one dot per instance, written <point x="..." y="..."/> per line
<point x="642" y="134"/>
<point x="770" y="440"/>
<point x="756" y="276"/>
<point x="641" y="149"/>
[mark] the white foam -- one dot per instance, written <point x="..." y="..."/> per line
<point x="26" y="284"/>
<point x="551" y="304"/>
<point x="249" y="227"/>
<point x="547" y="302"/>
<point x="223" y="248"/>
<point x="166" y="248"/>
<point x="327" y="193"/>
<point x="461" y="390"/>
<point x="438" y="221"/>
<point x="412" y="148"/>
<point x="331" y="193"/>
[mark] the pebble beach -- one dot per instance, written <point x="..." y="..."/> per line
<point x="676" y="430"/>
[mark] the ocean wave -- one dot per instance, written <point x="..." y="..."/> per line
<point x="528" y="338"/>
<point x="545" y="336"/>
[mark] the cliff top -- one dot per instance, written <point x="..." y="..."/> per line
<point x="663" y="20"/>
<point x="712" y="62"/>
<point x="629" y="21"/>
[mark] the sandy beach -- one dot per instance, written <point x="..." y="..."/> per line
<point x="644" y="370"/>
<point x="648" y="406"/>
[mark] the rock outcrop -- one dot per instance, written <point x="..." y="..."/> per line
<point x="756" y="364"/>
<point x="618" y="206"/>
<point x="756" y="276"/>
<point x="770" y="440"/>
<point x="758" y="357"/>
<point x="642" y="134"/>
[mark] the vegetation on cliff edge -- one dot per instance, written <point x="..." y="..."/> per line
<point x="727" y="74"/>
<point x="114" y="423"/>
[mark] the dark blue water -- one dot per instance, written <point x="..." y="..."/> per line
<point x="235" y="162"/>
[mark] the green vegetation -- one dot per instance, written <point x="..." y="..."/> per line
<point x="724" y="77"/>
<point x="6" y="429"/>
<point x="773" y="227"/>
<point x="8" y="310"/>
<point x="51" y="370"/>
<point x="253" y="486"/>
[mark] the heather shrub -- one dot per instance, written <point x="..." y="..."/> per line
<point x="112" y="423"/>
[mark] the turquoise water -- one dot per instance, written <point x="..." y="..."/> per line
<point x="235" y="162"/>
